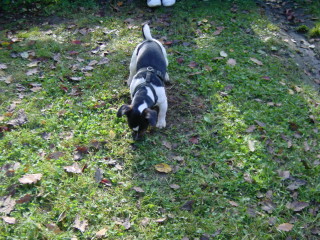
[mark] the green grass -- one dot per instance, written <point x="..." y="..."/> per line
<point x="228" y="175"/>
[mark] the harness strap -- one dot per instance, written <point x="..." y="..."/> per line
<point x="147" y="83"/>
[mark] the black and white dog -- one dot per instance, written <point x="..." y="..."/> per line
<point x="148" y="73"/>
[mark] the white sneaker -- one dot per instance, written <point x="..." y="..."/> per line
<point x="154" y="3"/>
<point x="168" y="3"/>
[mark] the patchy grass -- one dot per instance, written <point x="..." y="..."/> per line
<point x="242" y="140"/>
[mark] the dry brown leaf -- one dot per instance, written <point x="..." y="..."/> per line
<point x="9" y="220"/>
<point x="163" y="168"/>
<point x="55" y="155"/>
<point x="138" y="189"/>
<point x="233" y="203"/>
<point x="178" y="158"/>
<point x="32" y="71"/>
<point x="284" y="174"/>
<point x="286" y="227"/>
<point x="53" y="227"/>
<point x="101" y="233"/>
<point x="167" y="144"/>
<point x="256" y="61"/>
<point x="74" y="168"/>
<point x="80" y="224"/>
<point x="26" y="198"/>
<point x="231" y="62"/>
<point x="30" y="178"/>
<point x="297" y="206"/>
<point x="251" y="128"/>
<point x="3" y="66"/>
<point x="174" y="186"/>
<point x="268" y="206"/>
<point x="160" y="220"/>
<point x="6" y="204"/>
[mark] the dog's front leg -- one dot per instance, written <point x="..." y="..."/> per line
<point x="161" y="123"/>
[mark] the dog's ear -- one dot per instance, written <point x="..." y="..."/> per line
<point x="151" y="116"/>
<point x="124" y="110"/>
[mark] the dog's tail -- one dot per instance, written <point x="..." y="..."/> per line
<point x="146" y="32"/>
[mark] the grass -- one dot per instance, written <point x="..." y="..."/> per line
<point x="232" y="130"/>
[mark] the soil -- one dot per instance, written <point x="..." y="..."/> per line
<point x="288" y="15"/>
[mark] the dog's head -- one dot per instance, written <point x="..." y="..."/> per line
<point x="138" y="121"/>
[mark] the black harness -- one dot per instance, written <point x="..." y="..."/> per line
<point x="147" y="83"/>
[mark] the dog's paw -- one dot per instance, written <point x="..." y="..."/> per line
<point x="161" y="124"/>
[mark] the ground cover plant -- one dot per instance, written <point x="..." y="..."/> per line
<point x="238" y="160"/>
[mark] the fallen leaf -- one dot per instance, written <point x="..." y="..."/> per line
<point x="73" y="53"/>
<point x="188" y="205"/>
<point x="76" y="42"/>
<point x="256" y="61"/>
<point x="3" y="66"/>
<point x="296" y="184"/>
<point x="223" y="54"/>
<point x="9" y="220"/>
<point x="218" y="31"/>
<point x="6" y="204"/>
<point x="30" y="178"/>
<point x="24" y="55"/>
<point x="93" y="62"/>
<point x="138" y="189"/>
<point x="231" y="62"/>
<point x="261" y="124"/>
<point x="293" y="126"/>
<point x="19" y="120"/>
<point x="55" y="155"/>
<point x="266" y="78"/>
<point x="145" y="221"/>
<point x="193" y="64"/>
<point x="9" y="79"/>
<point x="233" y="203"/>
<point x="174" y="186"/>
<point x="286" y="227"/>
<point x="53" y="227"/>
<point x="163" y="168"/>
<point x="160" y="220"/>
<point x="178" y="158"/>
<point x="167" y="144"/>
<point x="306" y="146"/>
<point x="76" y="79"/>
<point x="284" y="174"/>
<point x="26" y="198"/>
<point x="180" y="60"/>
<point x="98" y="175"/>
<point x="74" y="168"/>
<point x="56" y="57"/>
<point x="103" y="61"/>
<point x="80" y="224"/>
<point x="106" y="182"/>
<point x="194" y="140"/>
<point x="32" y="71"/>
<point x="251" y="128"/>
<point x="87" y="68"/>
<point x="247" y="177"/>
<point x="101" y="233"/>
<point x="297" y="206"/>
<point x="268" y="206"/>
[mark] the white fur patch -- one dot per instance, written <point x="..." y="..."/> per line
<point x="142" y="107"/>
<point x="136" y="129"/>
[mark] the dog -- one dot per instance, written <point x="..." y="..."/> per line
<point x="148" y="74"/>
